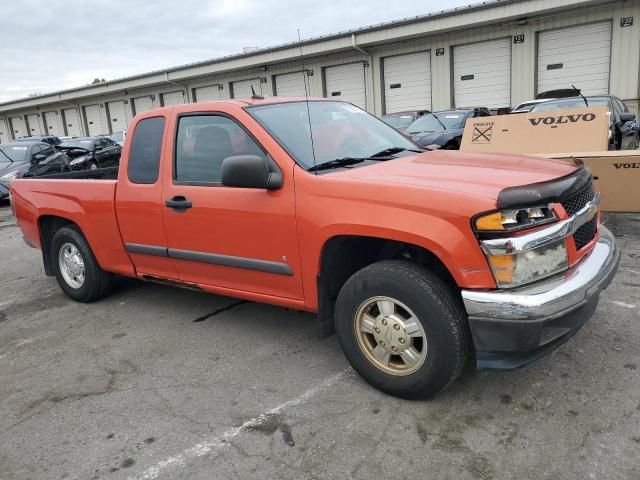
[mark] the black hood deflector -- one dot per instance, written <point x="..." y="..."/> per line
<point x="545" y="192"/>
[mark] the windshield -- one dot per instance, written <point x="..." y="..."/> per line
<point x="570" y="103"/>
<point x="339" y="130"/>
<point x="17" y="153"/>
<point x="86" y="144"/>
<point x="427" y="123"/>
<point x="398" y="120"/>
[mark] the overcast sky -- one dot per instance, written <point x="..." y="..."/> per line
<point x="56" y="44"/>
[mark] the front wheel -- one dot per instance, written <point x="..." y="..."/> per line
<point x="402" y="329"/>
<point x="76" y="269"/>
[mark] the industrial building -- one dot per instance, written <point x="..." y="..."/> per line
<point x="494" y="54"/>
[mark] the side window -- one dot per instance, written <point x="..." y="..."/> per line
<point x="35" y="150"/>
<point x="144" y="156"/>
<point x="203" y="142"/>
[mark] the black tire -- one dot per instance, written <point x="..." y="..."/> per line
<point x="97" y="282"/>
<point x="440" y="313"/>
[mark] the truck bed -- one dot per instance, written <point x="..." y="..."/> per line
<point x="86" y="198"/>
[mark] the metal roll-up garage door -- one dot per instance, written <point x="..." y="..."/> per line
<point x="142" y="104"/>
<point x="4" y="131"/>
<point x="172" y="98"/>
<point x="291" y="84"/>
<point x="407" y="82"/>
<point x="71" y="122"/>
<point x="118" y="117"/>
<point x="207" y="94"/>
<point x="346" y="83"/>
<point x="93" y="121"/>
<point x="579" y="56"/>
<point x="18" y="127"/>
<point x="242" y="88"/>
<point x="52" y="123"/>
<point x="482" y="74"/>
<point x="33" y="122"/>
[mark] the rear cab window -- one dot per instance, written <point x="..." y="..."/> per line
<point x="144" y="156"/>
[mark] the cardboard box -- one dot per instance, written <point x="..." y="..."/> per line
<point x="572" y="130"/>
<point x="616" y="174"/>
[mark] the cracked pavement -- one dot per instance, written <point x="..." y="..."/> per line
<point x="157" y="382"/>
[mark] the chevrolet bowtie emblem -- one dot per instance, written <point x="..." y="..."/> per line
<point x="593" y="209"/>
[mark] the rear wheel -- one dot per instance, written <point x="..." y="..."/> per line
<point x="402" y="329"/>
<point x="76" y="268"/>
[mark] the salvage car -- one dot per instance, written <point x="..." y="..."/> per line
<point x="443" y="129"/>
<point x="420" y="261"/>
<point x="401" y="120"/>
<point x="91" y="153"/>
<point x="26" y="158"/>
<point x="623" y="131"/>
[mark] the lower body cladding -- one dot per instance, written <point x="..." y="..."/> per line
<point x="513" y="328"/>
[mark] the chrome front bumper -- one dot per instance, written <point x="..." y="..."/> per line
<point x="552" y="298"/>
<point x="511" y="328"/>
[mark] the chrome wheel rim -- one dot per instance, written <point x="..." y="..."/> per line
<point x="71" y="265"/>
<point x="390" y="336"/>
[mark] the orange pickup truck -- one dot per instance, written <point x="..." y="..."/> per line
<point x="420" y="261"/>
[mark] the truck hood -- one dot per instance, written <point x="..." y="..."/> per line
<point x="473" y="174"/>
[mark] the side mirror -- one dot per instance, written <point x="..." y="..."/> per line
<point x="38" y="157"/>
<point x="249" y="171"/>
<point x="627" y="117"/>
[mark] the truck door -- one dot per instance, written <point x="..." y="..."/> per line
<point x="242" y="239"/>
<point x="139" y="205"/>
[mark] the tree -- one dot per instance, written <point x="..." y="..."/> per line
<point x="97" y="80"/>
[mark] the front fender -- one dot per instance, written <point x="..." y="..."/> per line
<point x="441" y="226"/>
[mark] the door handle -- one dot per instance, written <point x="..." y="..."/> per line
<point x="179" y="203"/>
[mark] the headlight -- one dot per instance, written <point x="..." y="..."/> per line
<point x="78" y="160"/>
<point x="512" y="220"/>
<point x="530" y="266"/>
<point x="9" y="176"/>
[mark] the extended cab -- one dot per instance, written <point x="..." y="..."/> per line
<point x="419" y="260"/>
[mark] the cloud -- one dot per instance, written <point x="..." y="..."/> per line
<point x="71" y="42"/>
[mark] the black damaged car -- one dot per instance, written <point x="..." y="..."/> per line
<point x="91" y="153"/>
<point x="28" y="159"/>
<point x="443" y="129"/>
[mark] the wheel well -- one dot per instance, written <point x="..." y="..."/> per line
<point x="343" y="256"/>
<point x="48" y="226"/>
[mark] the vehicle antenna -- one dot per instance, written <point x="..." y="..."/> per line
<point x="305" y="78"/>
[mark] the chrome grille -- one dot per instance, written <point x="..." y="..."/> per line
<point x="572" y="205"/>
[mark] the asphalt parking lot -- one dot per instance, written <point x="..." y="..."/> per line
<point x="156" y="382"/>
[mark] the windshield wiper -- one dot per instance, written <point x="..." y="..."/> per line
<point x="392" y="151"/>
<point x="337" y="163"/>
<point x="6" y="155"/>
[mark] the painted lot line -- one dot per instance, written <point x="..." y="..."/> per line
<point x="181" y="459"/>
